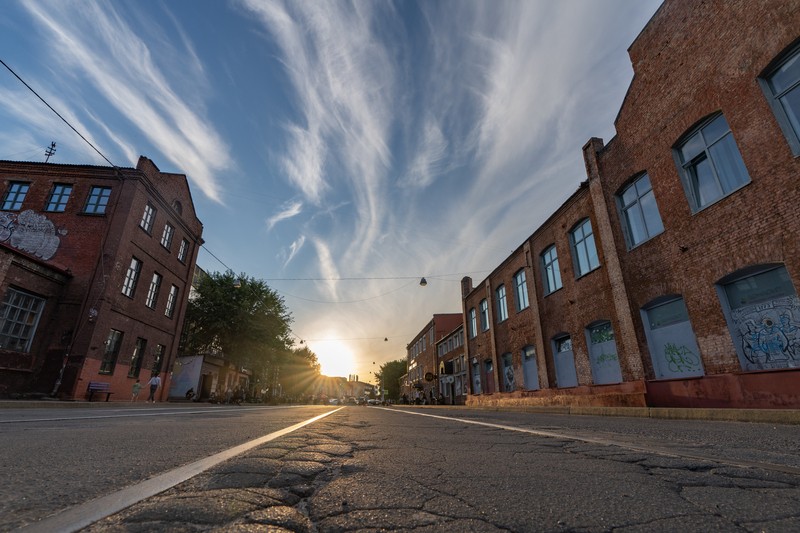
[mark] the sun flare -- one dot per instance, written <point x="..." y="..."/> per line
<point x="335" y="357"/>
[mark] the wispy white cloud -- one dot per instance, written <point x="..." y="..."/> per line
<point x="29" y="110"/>
<point x="93" y="39"/>
<point x="295" y="247"/>
<point x="288" y="210"/>
<point x="327" y="266"/>
<point x="342" y="80"/>
<point x="429" y="158"/>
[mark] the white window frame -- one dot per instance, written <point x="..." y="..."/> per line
<point x="584" y="248"/>
<point x="97" y="201"/>
<point x="148" y="217"/>
<point x="703" y="135"/>
<point x="58" y="198"/>
<point x="502" y="306"/>
<point x="172" y="299"/>
<point x="642" y="206"/>
<point x="789" y="121"/>
<point x="552" y="275"/>
<point x="166" y="235"/>
<point x="19" y="318"/>
<point x="473" y="323"/>
<point x="183" y="250"/>
<point x="152" y="292"/>
<point x="484" y="312"/>
<point x="15" y="195"/>
<point x="131" y="278"/>
<point x="521" y="286"/>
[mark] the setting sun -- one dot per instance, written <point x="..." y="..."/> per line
<point x="334" y="356"/>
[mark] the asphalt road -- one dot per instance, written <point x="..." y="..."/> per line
<point x="55" y="458"/>
<point x="369" y="469"/>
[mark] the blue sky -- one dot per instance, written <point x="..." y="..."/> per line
<point x="338" y="150"/>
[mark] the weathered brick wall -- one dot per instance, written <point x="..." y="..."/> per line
<point x="694" y="59"/>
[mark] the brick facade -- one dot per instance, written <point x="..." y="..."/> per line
<point x="668" y="290"/>
<point x="75" y="262"/>
<point x="422" y="358"/>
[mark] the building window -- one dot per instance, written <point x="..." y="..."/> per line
<point x="603" y="356"/>
<point x="152" y="292"/>
<point x="583" y="248"/>
<point x="113" y="343"/>
<point x="502" y="308"/>
<point x="552" y="275"/>
<point x="15" y="195"/>
<point x="59" y="197"/>
<point x="166" y="236"/>
<point x="172" y="299"/>
<point x="137" y="357"/>
<point x="473" y="323"/>
<point x="711" y="164"/>
<point x="183" y="250"/>
<point x="97" y="201"/>
<point x="158" y="358"/>
<point x="530" y="370"/>
<point x="640" y="212"/>
<point x="761" y="307"/>
<point x="148" y="217"/>
<point x="671" y="340"/>
<point x="522" y="290"/>
<point x="131" y="277"/>
<point x="20" y="314"/>
<point x="564" y="358"/>
<point x="484" y="307"/>
<point x="782" y="87"/>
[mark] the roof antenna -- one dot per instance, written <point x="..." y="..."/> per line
<point x="50" y="151"/>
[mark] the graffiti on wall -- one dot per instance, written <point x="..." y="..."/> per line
<point x="769" y="334"/>
<point x="30" y="232"/>
<point x="680" y="358"/>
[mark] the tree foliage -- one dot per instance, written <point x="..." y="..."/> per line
<point x="239" y="318"/>
<point x="391" y="373"/>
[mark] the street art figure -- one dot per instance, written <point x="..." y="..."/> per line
<point x="509" y="378"/>
<point x="769" y="335"/>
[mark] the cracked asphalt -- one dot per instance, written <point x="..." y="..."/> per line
<point x="366" y="469"/>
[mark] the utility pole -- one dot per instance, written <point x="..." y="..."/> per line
<point x="50" y="151"/>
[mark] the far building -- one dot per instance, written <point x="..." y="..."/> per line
<point x="95" y="267"/>
<point x="423" y="366"/>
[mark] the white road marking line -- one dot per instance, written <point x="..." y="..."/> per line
<point x="83" y="515"/>
<point x="620" y="444"/>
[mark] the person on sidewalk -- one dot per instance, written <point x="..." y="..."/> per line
<point x="135" y="391"/>
<point x="155" y="383"/>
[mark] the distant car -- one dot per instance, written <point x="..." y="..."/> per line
<point x="334" y="401"/>
<point x="373" y="401"/>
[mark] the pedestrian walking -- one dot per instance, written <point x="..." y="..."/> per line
<point x="155" y="383"/>
<point x="135" y="391"/>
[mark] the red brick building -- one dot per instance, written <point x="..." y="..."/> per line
<point x="452" y="374"/>
<point x="670" y="277"/>
<point x="422" y="359"/>
<point x="95" y="267"/>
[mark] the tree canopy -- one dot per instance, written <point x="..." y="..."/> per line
<point x="239" y="318"/>
<point x="391" y="373"/>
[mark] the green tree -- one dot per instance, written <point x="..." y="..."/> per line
<point x="239" y="318"/>
<point x="390" y="374"/>
<point x="299" y="374"/>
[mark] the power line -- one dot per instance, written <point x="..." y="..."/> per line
<point x="57" y="114"/>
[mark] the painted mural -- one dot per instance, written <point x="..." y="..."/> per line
<point x="31" y="233"/>
<point x="768" y="334"/>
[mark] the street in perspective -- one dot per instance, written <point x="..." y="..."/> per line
<point x="379" y="265"/>
<point x="371" y="468"/>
